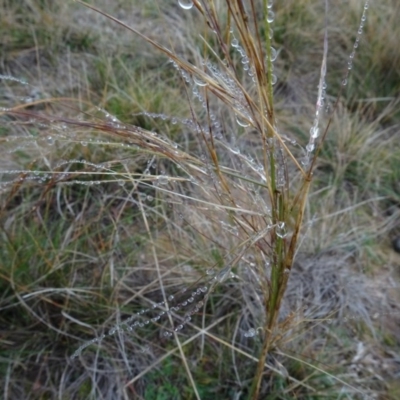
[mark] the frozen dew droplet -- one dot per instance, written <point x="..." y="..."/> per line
<point x="199" y="82"/>
<point x="241" y="121"/>
<point x="270" y="16"/>
<point x="186" y="4"/>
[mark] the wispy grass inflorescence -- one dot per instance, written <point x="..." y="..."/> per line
<point x="219" y="195"/>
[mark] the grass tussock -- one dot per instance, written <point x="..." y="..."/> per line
<point x="172" y="227"/>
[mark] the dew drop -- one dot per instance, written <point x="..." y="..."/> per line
<point x="235" y="42"/>
<point x="270" y="16"/>
<point x="186" y="4"/>
<point x="171" y="297"/>
<point x="50" y="140"/>
<point x="281" y="229"/>
<point x="167" y="334"/>
<point x="274" y="79"/>
<point x="250" y="333"/>
<point x="344" y="82"/>
<point x="314" y="132"/>
<point x="235" y="150"/>
<point x="273" y="54"/>
<point x="223" y="274"/>
<point x="241" y="121"/>
<point x="210" y="271"/>
<point x="163" y="180"/>
<point x="310" y="147"/>
<point x="199" y="82"/>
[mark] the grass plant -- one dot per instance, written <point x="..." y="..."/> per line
<point x="162" y="232"/>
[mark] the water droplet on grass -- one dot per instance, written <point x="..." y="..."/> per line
<point x="199" y="82"/>
<point x="314" y="132"/>
<point x="270" y="16"/>
<point x="273" y="54"/>
<point x="281" y="229"/>
<point x="310" y="147"/>
<point x="250" y="333"/>
<point x="223" y="274"/>
<point x="163" y="180"/>
<point x="241" y="121"/>
<point x="186" y="4"/>
<point x="210" y="271"/>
